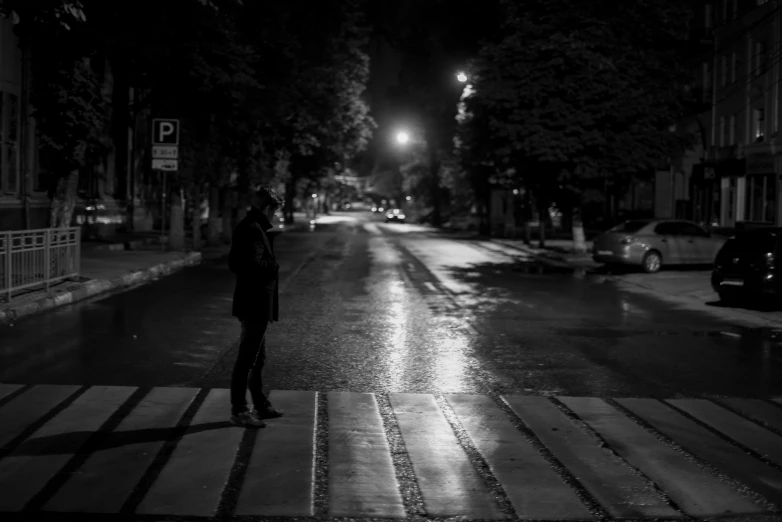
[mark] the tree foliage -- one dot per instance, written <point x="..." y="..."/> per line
<point x="578" y="89"/>
<point x="254" y="84"/>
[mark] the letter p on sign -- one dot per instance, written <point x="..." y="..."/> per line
<point x="165" y="132"/>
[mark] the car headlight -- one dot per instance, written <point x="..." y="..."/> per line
<point x="401" y="216"/>
<point x="389" y="215"/>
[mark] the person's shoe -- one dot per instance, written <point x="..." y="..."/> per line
<point x="268" y="413"/>
<point x="248" y="419"/>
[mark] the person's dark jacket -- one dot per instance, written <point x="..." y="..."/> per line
<point x="256" y="296"/>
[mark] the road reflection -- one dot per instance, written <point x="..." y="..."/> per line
<point x="452" y="365"/>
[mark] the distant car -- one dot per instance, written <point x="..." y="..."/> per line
<point x="748" y="265"/>
<point x="395" y="216"/>
<point x="650" y="243"/>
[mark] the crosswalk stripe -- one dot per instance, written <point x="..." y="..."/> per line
<point x="757" y="409"/>
<point x="534" y="489"/>
<point x="614" y="485"/>
<point x="192" y="481"/>
<point x="8" y="389"/>
<point x="362" y="481"/>
<point x="104" y="482"/>
<point x="447" y="479"/>
<point x="30" y="406"/>
<point x="694" y="490"/>
<point x="744" y="432"/>
<point x="704" y="444"/>
<point x="31" y="465"/>
<point x="279" y="480"/>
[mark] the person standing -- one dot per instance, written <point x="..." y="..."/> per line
<point x="255" y="304"/>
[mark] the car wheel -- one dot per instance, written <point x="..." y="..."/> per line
<point x="727" y="298"/>
<point x="652" y="262"/>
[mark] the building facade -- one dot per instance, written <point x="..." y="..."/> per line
<point x="115" y="194"/>
<point x="23" y="199"/>
<point x="744" y="160"/>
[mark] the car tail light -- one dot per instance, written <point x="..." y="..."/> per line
<point x="770" y="259"/>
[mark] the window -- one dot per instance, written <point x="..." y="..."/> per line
<point x="734" y="10"/>
<point x="732" y="130"/>
<point x="630" y="227"/>
<point x="733" y="63"/>
<point x="761" y="2"/>
<point x="669" y="228"/>
<point x="759" y="124"/>
<point x="9" y="143"/>
<point x="707" y="16"/>
<point x="725" y="10"/>
<point x="691" y="229"/>
<point x="722" y="131"/>
<point x="724" y="70"/>
<point x="760" y="198"/>
<point x="760" y="58"/>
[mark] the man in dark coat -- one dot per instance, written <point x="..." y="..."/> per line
<point x="255" y="304"/>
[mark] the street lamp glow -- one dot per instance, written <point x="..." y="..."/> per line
<point x="314" y="195"/>
<point x="461" y="77"/>
<point x="408" y="198"/>
<point x="402" y="137"/>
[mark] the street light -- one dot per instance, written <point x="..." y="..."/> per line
<point x="461" y="77"/>
<point x="408" y="198"/>
<point x="402" y="137"/>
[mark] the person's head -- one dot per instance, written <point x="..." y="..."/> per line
<point x="267" y="201"/>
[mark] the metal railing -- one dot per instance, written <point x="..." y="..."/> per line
<point x="37" y="258"/>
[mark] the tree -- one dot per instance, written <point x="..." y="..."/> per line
<point x="582" y="90"/>
<point x="320" y="120"/>
<point x="435" y="40"/>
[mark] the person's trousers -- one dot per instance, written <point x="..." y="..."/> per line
<point x="248" y="368"/>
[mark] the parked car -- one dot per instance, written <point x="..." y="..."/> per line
<point x="650" y="243"/>
<point x="395" y="216"/>
<point x="747" y="265"/>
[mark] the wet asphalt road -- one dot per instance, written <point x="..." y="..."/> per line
<point x="370" y="307"/>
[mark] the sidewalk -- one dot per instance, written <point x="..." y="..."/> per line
<point x="558" y="251"/>
<point x="102" y="270"/>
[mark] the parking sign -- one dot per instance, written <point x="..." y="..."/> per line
<point x="165" y="132"/>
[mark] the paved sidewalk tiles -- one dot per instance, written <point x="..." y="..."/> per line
<point x="172" y="452"/>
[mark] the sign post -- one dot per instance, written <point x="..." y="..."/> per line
<point x="165" y="158"/>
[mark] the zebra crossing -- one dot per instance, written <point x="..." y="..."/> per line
<point x="171" y="452"/>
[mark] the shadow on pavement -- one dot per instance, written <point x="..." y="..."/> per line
<point x="73" y="442"/>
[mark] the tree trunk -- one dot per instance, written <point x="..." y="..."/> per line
<point x="528" y="215"/>
<point x="542" y="214"/>
<point x="176" y="234"/>
<point x="484" y="227"/>
<point x="64" y="200"/>
<point x="290" y="192"/>
<point x="227" y="211"/>
<point x="213" y="223"/>
<point x="579" y="241"/>
<point x="434" y="173"/>
<point x="195" y="221"/>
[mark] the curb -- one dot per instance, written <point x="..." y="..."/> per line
<point x="80" y="291"/>
<point x="552" y="259"/>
